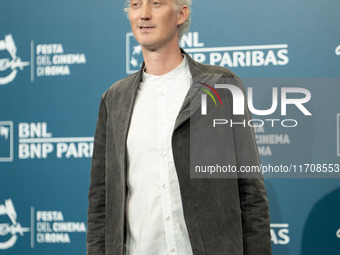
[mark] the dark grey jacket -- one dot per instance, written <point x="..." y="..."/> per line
<point x="227" y="216"/>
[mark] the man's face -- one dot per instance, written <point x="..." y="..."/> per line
<point x="154" y="23"/>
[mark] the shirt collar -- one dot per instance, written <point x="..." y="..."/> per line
<point x="179" y="71"/>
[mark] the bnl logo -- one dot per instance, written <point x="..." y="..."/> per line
<point x="6" y="141"/>
<point x="134" y="56"/>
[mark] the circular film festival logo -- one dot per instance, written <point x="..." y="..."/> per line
<point x="9" y="231"/>
<point x="9" y="66"/>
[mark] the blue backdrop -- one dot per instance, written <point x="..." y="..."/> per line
<point x="58" y="57"/>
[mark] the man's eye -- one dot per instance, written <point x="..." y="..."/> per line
<point x="134" y="4"/>
<point x="156" y="3"/>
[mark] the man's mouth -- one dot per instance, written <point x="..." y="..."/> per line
<point x="145" y="28"/>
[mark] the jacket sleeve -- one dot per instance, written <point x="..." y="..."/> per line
<point x="95" y="242"/>
<point x="252" y="192"/>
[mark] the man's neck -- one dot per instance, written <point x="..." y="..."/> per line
<point x="162" y="61"/>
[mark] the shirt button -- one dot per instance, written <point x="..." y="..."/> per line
<point x="164" y="186"/>
<point x="173" y="250"/>
<point x="163" y="154"/>
<point x="168" y="218"/>
<point x="162" y="94"/>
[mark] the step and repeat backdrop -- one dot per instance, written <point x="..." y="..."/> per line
<point x="58" y="57"/>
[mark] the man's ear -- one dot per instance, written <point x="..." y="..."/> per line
<point x="183" y="14"/>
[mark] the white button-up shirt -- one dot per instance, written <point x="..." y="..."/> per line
<point x="155" y="220"/>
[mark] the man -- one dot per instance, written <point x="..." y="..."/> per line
<point x="142" y="200"/>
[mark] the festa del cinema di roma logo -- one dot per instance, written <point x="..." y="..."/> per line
<point x="47" y="227"/>
<point x="9" y="66"/>
<point x="12" y="229"/>
<point x="47" y="60"/>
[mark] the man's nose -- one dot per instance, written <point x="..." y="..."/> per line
<point x="146" y="12"/>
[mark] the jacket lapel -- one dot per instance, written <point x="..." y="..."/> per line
<point x="126" y="109"/>
<point x="122" y="116"/>
<point x="191" y="103"/>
